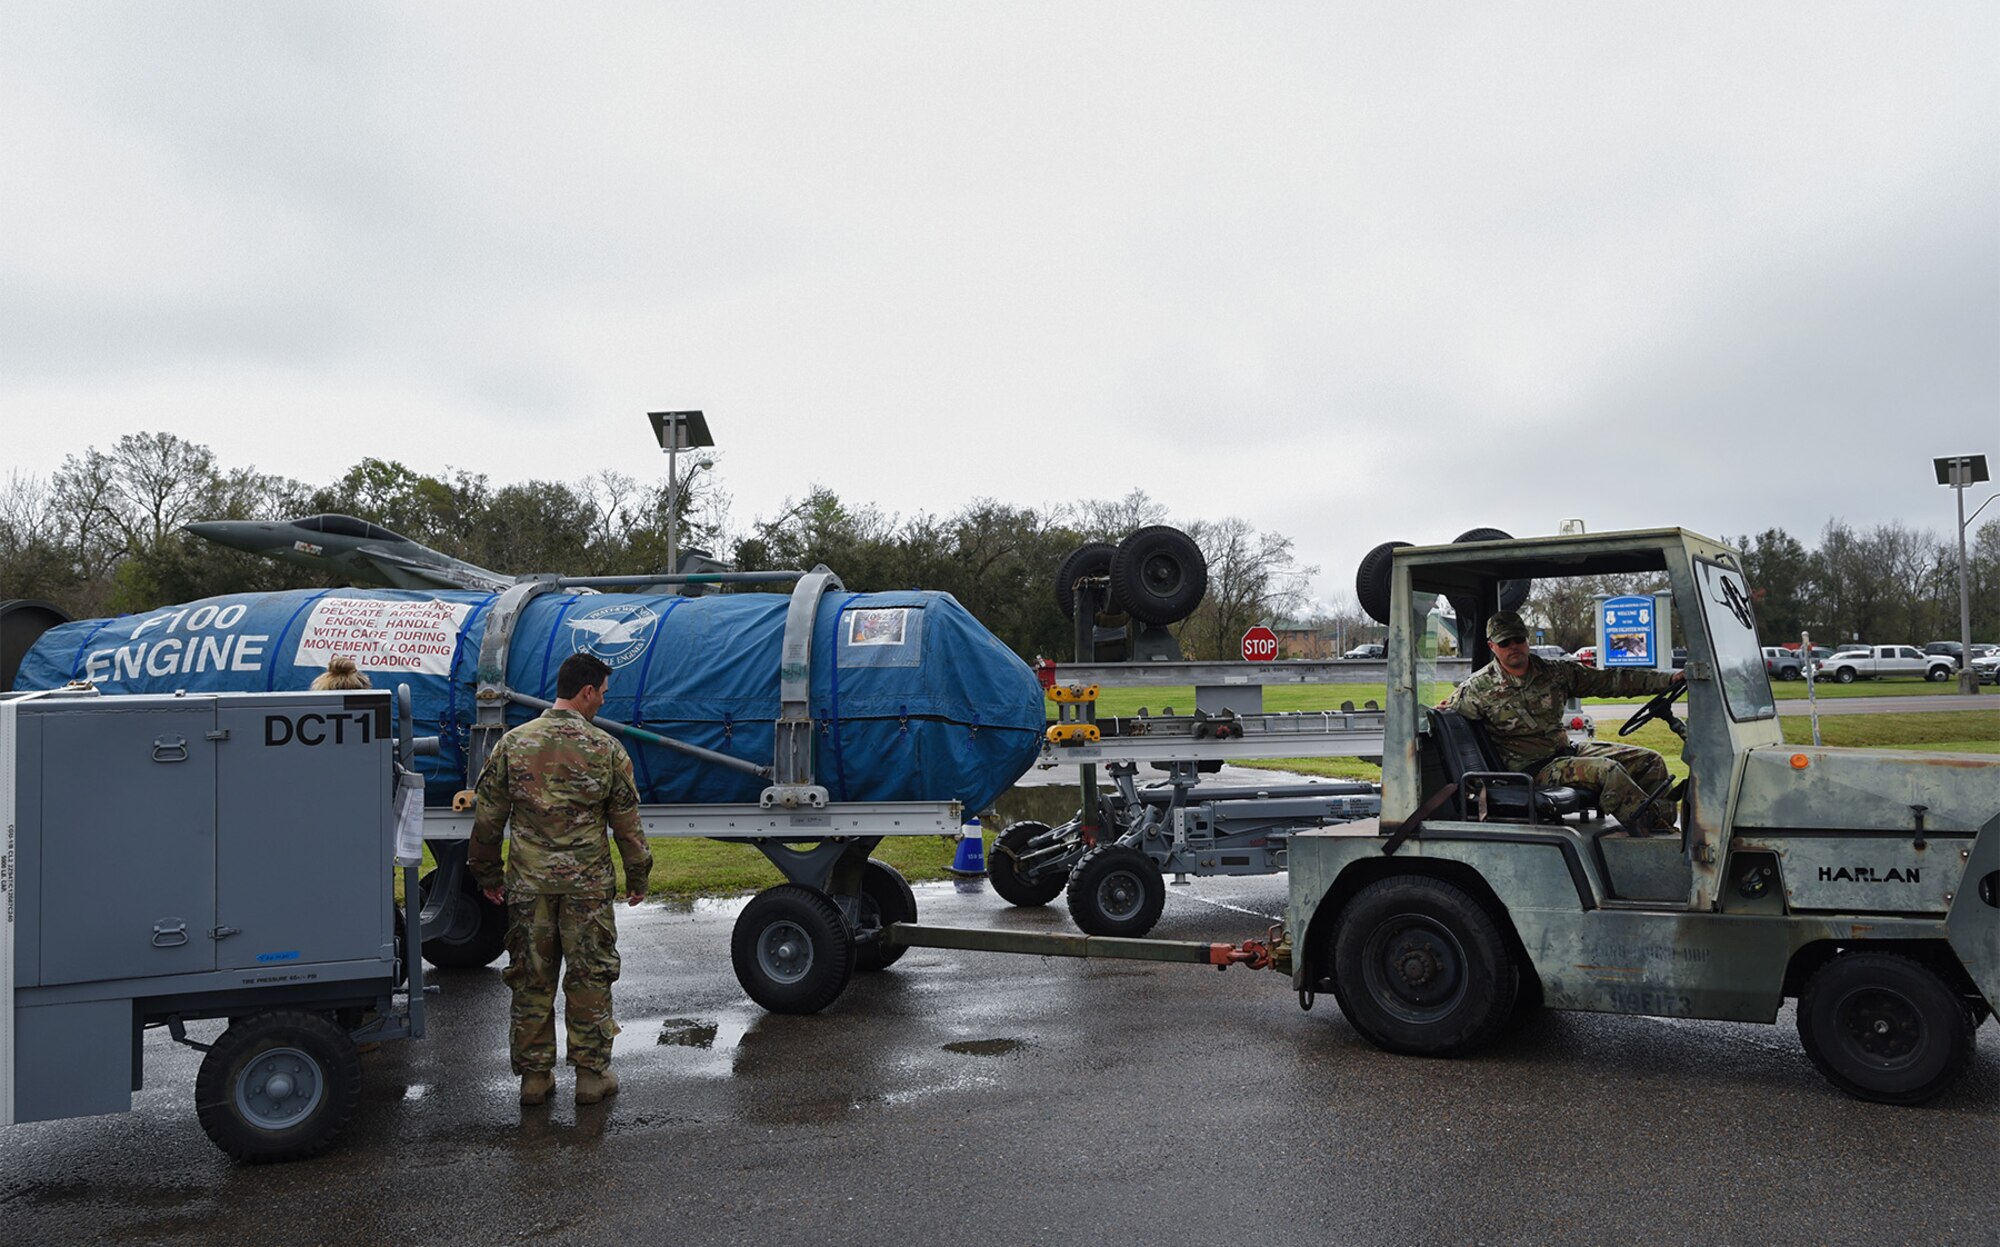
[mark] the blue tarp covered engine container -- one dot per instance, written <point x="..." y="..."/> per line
<point x="913" y="699"/>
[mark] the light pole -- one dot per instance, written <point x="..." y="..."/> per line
<point x="677" y="431"/>
<point x="1959" y="471"/>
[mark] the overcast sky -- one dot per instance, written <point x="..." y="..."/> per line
<point x="1352" y="273"/>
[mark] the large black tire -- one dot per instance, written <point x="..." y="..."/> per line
<point x="1159" y="575"/>
<point x="886" y="897"/>
<point x="1845" y="675"/>
<point x="278" y="1086"/>
<point x="1091" y="559"/>
<point x="1420" y="967"/>
<point x="791" y="949"/>
<point x="1116" y="890"/>
<point x="478" y="931"/>
<point x="1512" y="592"/>
<point x="1007" y="881"/>
<point x="1938" y="674"/>
<point x="1885" y="1028"/>
<point x="1371" y="580"/>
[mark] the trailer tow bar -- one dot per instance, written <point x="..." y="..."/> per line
<point x="1273" y="952"/>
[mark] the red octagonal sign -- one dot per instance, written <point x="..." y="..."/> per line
<point x="1260" y="644"/>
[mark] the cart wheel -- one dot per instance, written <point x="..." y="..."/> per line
<point x="1116" y="890"/>
<point x="1371" y="580"/>
<point x="1003" y="867"/>
<point x="1159" y="575"/>
<point x="1512" y="592"/>
<point x="885" y="898"/>
<point x="1419" y="967"/>
<point x="792" y="950"/>
<point x="1884" y="1028"/>
<point x="1090" y="559"/>
<point x="278" y="1086"/>
<point x="477" y="934"/>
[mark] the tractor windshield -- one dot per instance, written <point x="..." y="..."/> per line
<point x="1732" y="637"/>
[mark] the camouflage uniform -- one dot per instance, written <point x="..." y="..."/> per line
<point x="1524" y="720"/>
<point x="560" y="780"/>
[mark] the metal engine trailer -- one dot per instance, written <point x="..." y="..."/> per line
<point x="175" y="858"/>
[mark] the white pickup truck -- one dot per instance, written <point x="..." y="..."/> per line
<point x="1856" y="662"/>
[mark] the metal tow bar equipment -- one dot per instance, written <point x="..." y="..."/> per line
<point x="1272" y="953"/>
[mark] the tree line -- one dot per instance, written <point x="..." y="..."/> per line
<point x="102" y="535"/>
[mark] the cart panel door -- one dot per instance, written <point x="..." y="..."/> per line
<point x="128" y="844"/>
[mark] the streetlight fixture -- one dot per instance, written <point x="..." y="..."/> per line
<point x="678" y="431"/>
<point x="1958" y="472"/>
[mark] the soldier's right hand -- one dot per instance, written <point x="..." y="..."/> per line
<point x="497" y="895"/>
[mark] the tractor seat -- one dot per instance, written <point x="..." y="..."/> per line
<point x="1471" y="761"/>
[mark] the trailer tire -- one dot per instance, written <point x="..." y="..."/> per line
<point x="478" y="933"/>
<point x="792" y="950"/>
<point x="1885" y="1028"/>
<point x="1420" y="967"/>
<point x="1512" y="592"/>
<point x="278" y="1086"/>
<point x="1013" y="887"/>
<point x="1159" y="575"/>
<point x="1116" y="890"/>
<point x="1371" y="580"/>
<point x="1090" y="559"/>
<point x="886" y="897"/>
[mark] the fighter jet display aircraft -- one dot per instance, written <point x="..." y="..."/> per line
<point x="367" y="553"/>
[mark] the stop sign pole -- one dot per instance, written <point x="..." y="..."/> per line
<point x="1260" y="644"/>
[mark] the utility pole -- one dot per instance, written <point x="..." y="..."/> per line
<point x="1958" y="472"/>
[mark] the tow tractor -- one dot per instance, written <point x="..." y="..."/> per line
<point x="1864" y="884"/>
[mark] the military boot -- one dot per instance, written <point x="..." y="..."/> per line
<point x="593" y="1085"/>
<point x="536" y="1085"/>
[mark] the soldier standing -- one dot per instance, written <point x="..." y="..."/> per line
<point x="560" y="780"/>
<point x="1520" y="699"/>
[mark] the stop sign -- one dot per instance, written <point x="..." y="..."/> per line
<point x="1260" y="644"/>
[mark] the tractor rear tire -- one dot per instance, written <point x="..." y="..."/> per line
<point x="1512" y="592"/>
<point x="1371" y="580"/>
<point x="1420" y="967"/>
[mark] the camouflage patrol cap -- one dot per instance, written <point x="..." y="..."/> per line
<point x="1506" y="626"/>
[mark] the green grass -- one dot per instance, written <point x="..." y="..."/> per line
<point x="684" y="869"/>
<point x="1127" y="701"/>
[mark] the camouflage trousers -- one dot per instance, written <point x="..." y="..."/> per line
<point x="543" y="933"/>
<point x="1622" y="776"/>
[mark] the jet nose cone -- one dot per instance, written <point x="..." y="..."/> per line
<point x="243" y="534"/>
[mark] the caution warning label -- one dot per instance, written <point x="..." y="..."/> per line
<point x="414" y="636"/>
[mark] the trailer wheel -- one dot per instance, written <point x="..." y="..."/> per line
<point x="1003" y="867"/>
<point x="1116" y="890"/>
<point x="278" y="1086"/>
<point x="1885" y="1028"/>
<point x="1512" y="592"/>
<point x="886" y="897"/>
<point x="1159" y="575"/>
<point x="477" y="933"/>
<point x="1419" y="967"/>
<point x="792" y="950"/>
<point x="1090" y="559"/>
<point x="1371" y="580"/>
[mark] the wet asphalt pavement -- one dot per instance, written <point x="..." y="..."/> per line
<point x="981" y="1098"/>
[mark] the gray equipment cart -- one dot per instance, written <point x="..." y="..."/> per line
<point x="202" y="856"/>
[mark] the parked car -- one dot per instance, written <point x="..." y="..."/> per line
<point x="1587" y="656"/>
<point x="1945" y="649"/>
<point x="1548" y="653"/>
<point x="1980" y="651"/>
<point x="1873" y="661"/>
<point x="1987" y="667"/>
<point x="1783" y="664"/>
<point x="1367" y="651"/>
<point x="1680" y="657"/>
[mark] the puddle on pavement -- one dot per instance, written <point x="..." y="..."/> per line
<point x="985" y="1047"/>
<point x="687" y="1033"/>
<point x="416" y="1091"/>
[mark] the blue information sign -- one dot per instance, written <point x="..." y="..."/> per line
<point x="1631" y="630"/>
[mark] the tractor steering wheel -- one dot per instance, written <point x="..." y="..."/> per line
<point x="1661" y="707"/>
